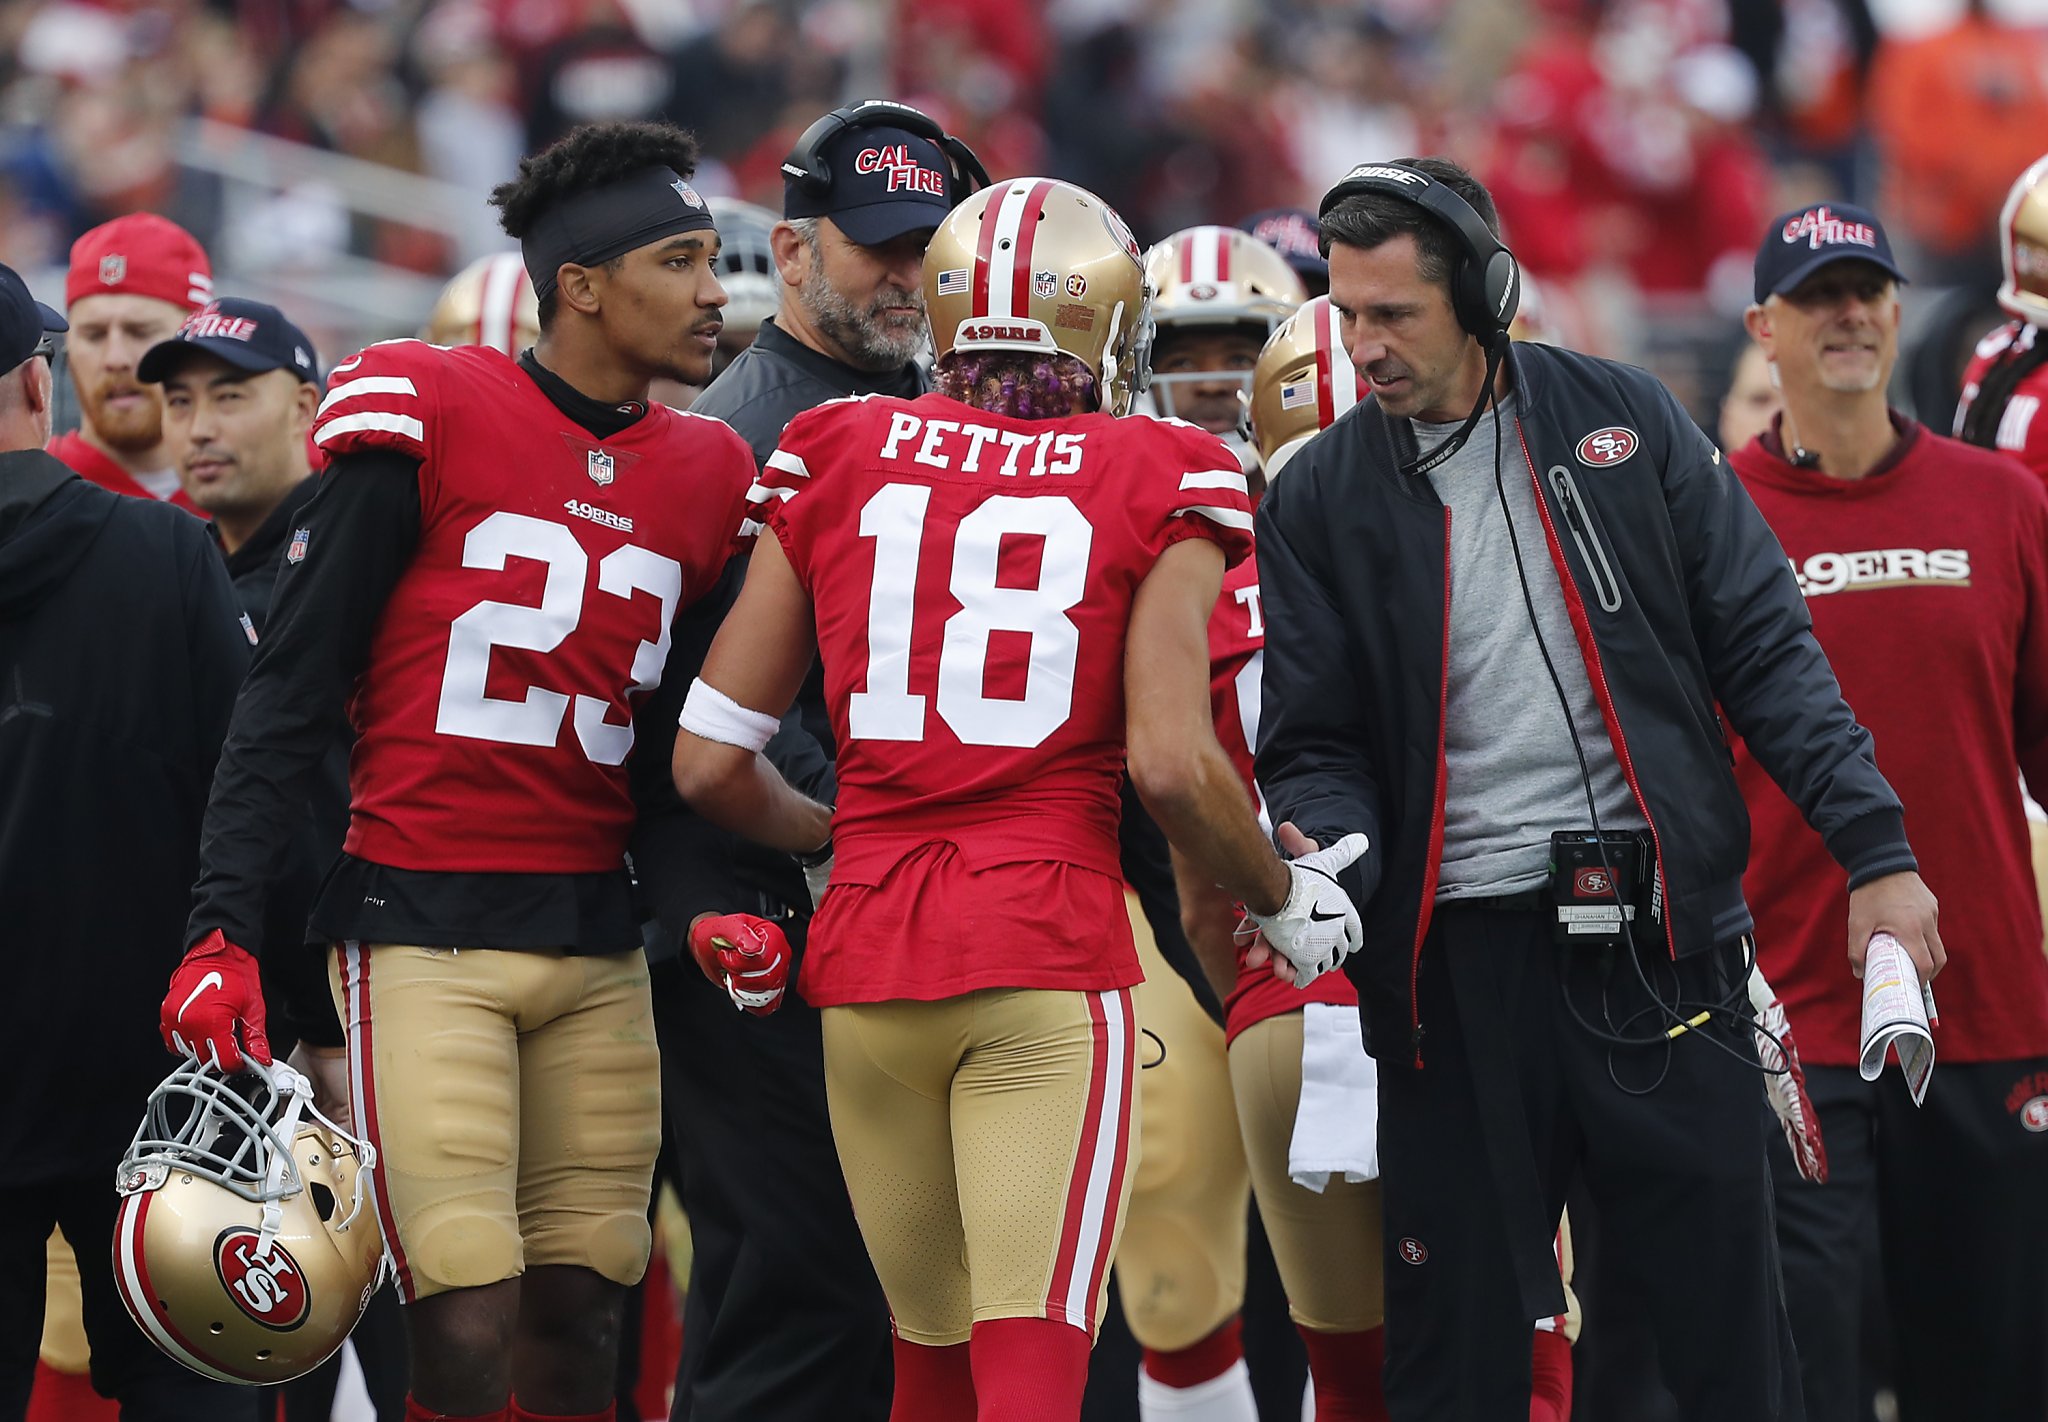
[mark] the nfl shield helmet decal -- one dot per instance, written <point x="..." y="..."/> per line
<point x="602" y="468"/>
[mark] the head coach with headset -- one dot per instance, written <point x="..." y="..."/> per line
<point x="1509" y="601"/>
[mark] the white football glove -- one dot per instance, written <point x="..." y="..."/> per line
<point x="1785" y="1082"/>
<point x="1317" y="928"/>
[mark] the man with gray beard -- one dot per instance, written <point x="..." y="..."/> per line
<point x="784" y="1318"/>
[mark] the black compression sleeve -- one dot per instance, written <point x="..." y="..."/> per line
<point x="362" y="527"/>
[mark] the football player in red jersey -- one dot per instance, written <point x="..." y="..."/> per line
<point x="487" y="581"/>
<point x="2007" y="379"/>
<point x="1007" y="586"/>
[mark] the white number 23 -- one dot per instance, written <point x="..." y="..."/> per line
<point x="536" y="718"/>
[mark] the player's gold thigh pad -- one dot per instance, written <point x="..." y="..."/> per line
<point x="1181" y="1264"/>
<point x="1327" y="1245"/>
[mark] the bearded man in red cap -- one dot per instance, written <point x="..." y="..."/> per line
<point x="132" y="283"/>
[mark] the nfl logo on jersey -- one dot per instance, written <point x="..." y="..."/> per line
<point x="601" y="468"/>
<point x="297" y="552"/>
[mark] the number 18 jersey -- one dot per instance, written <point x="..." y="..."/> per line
<point x="494" y="716"/>
<point x="973" y="577"/>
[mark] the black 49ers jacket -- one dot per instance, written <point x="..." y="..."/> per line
<point x="1684" y="606"/>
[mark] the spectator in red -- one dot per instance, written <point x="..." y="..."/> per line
<point x="132" y="283"/>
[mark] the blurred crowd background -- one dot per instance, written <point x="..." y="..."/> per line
<point x="334" y="155"/>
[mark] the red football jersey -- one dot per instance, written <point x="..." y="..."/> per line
<point x="495" y="713"/>
<point x="973" y="578"/>
<point x="1237" y="654"/>
<point x="2022" y="429"/>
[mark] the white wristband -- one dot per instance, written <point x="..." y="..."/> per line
<point x="710" y="713"/>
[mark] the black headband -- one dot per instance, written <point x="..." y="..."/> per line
<point x="591" y="227"/>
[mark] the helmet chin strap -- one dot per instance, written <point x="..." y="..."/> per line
<point x="1422" y="464"/>
<point x="296" y="1090"/>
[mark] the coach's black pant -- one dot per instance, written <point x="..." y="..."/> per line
<point x="1514" y="1100"/>
<point x="1956" y="1192"/>
<point x="125" y="1364"/>
<point x="784" y="1317"/>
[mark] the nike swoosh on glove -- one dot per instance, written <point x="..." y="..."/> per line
<point x="216" y="986"/>
<point x="745" y="955"/>
<point x="1317" y="928"/>
<point x="1785" y="1081"/>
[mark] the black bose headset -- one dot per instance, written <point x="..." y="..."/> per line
<point x="806" y="168"/>
<point x="1486" y="282"/>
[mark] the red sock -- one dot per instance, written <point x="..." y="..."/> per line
<point x="519" y="1414"/>
<point x="932" y="1384"/>
<point x="1029" y="1370"/>
<point x="1550" y="1373"/>
<point x="1347" y="1369"/>
<point x="1211" y="1357"/>
<point x="414" y="1412"/>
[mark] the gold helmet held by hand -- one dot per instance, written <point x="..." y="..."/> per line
<point x="1038" y="265"/>
<point x="246" y="1246"/>
<point x="1303" y="383"/>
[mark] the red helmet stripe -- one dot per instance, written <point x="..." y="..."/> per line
<point x="985" y="246"/>
<point x="1326" y="395"/>
<point x="1020" y="250"/>
<point x="1223" y="238"/>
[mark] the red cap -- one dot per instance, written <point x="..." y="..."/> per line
<point x="140" y="255"/>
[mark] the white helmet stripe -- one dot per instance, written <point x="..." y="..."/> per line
<point x="1343" y="374"/>
<point x="1004" y="256"/>
<point x="1206" y="262"/>
<point x="497" y="302"/>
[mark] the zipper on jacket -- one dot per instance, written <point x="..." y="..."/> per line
<point x="1589" y="648"/>
<point x="1436" y="818"/>
<point x="1606" y="586"/>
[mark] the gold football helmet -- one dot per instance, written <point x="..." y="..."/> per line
<point x="2023" y="240"/>
<point x="1038" y="265"/>
<point x="1215" y="277"/>
<point x="1304" y="381"/>
<point x="490" y="302"/>
<point x="243" y="1248"/>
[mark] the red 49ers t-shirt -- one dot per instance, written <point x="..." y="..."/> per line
<point x="1928" y="586"/>
<point x="973" y="578"/>
<point x="89" y="462"/>
<point x="494" y="716"/>
<point x="1237" y="654"/>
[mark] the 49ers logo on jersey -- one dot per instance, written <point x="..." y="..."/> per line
<point x="268" y="1287"/>
<point x="1608" y="446"/>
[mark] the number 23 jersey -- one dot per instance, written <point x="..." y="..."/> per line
<point x="494" y="716"/>
<point x="973" y="577"/>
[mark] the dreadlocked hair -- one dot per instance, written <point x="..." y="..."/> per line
<point x="1994" y="392"/>
<point x="1019" y="384"/>
<point x="591" y="155"/>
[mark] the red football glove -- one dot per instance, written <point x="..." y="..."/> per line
<point x="1785" y="1086"/>
<point x="216" y="986"/>
<point x="745" y="955"/>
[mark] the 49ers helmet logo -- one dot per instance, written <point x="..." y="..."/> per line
<point x="270" y="1288"/>
<point x="1608" y="446"/>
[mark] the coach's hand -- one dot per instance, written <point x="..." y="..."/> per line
<point x="217" y="986"/>
<point x="1317" y="928"/>
<point x="745" y="955"/>
<point x="1903" y="906"/>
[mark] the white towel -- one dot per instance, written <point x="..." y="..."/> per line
<point x="1337" y="1124"/>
